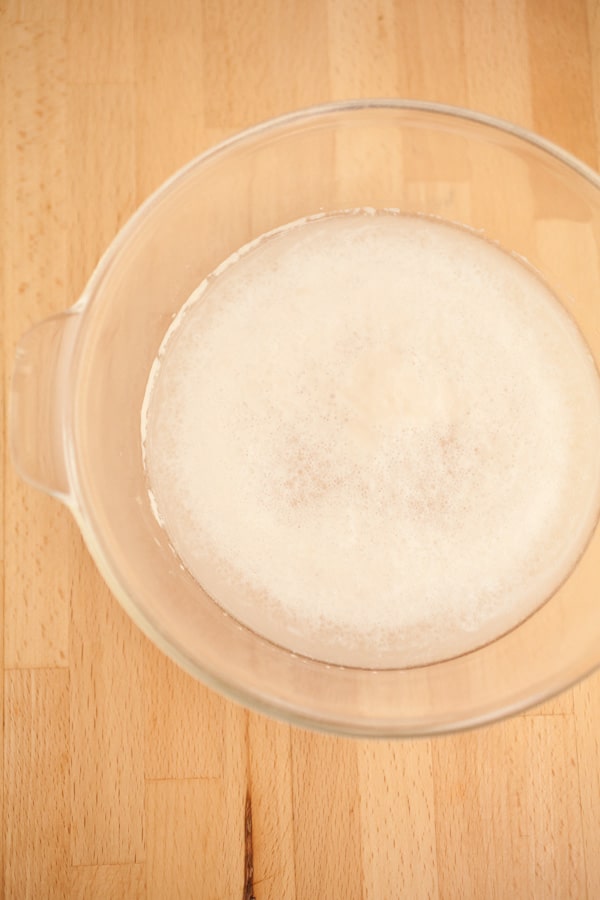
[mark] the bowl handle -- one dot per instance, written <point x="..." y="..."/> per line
<point x="37" y="404"/>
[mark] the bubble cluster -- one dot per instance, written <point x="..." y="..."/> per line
<point x="375" y="439"/>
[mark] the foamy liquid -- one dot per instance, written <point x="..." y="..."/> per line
<point x="375" y="439"/>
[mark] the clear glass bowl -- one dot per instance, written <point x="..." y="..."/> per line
<point x="80" y="377"/>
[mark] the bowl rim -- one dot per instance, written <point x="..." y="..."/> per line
<point x="301" y="116"/>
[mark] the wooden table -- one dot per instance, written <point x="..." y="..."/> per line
<point x="122" y="776"/>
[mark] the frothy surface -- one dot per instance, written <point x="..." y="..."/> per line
<point x="374" y="439"/>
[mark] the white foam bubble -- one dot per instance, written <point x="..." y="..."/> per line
<point x="374" y="439"/>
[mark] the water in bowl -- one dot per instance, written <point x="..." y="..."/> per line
<point x="374" y="439"/>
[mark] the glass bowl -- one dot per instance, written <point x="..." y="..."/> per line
<point x="80" y="378"/>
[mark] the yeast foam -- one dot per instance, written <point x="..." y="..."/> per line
<point x="374" y="439"/>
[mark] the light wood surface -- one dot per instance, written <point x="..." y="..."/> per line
<point x="123" y="778"/>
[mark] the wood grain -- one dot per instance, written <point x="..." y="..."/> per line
<point x="187" y="852"/>
<point x="123" y="777"/>
<point x="36" y="790"/>
<point x="38" y="550"/>
<point x="518" y="824"/>
<point x="3" y="388"/>
<point x="558" y="30"/>
<point x="262" y="59"/>
<point x="397" y="809"/>
<point x="108" y="882"/>
<point x="176" y="707"/>
<point x="327" y="825"/>
<point x="106" y="728"/>
<point x="273" y="809"/>
<point x="587" y="710"/>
